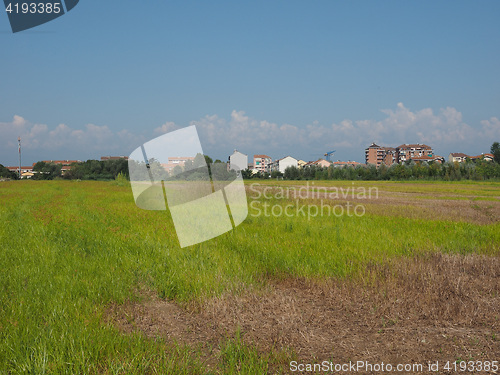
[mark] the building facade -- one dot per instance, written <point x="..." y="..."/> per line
<point x="174" y="161"/>
<point x="282" y="164"/>
<point x="238" y="161"/>
<point x="262" y="163"/>
<point x="375" y="154"/>
<point x="378" y="155"/>
<point x="409" y="151"/>
<point x="428" y="159"/>
<point x="460" y="157"/>
<point x="319" y="163"/>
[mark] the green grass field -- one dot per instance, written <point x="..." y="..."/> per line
<point x="72" y="249"/>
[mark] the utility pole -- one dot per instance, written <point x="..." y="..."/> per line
<point x="19" y="142"/>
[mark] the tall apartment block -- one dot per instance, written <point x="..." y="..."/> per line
<point x="377" y="155"/>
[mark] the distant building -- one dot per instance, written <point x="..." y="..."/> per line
<point x="375" y="154"/>
<point x="428" y="159"/>
<point x="378" y="155"/>
<point x="65" y="168"/>
<point x="457" y="157"/>
<point x="301" y="163"/>
<point x="486" y="157"/>
<point x="176" y="161"/>
<point x="238" y="161"/>
<point x="283" y="163"/>
<point x="460" y="157"/>
<point x="390" y="157"/>
<point x="26" y="172"/>
<point x="409" y="151"/>
<point x="319" y="163"/>
<point x="27" y="175"/>
<point x="262" y="163"/>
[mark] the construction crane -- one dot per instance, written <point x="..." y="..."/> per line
<point x="329" y="155"/>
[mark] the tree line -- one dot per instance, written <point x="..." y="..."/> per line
<point x="479" y="170"/>
<point x="410" y="170"/>
<point x="87" y="170"/>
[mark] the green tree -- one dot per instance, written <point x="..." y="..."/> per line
<point x="246" y="174"/>
<point x="5" y="173"/>
<point x="276" y="174"/>
<point x="495" y="150"/>
<point x="46" y="171"/>
<point x="292" y="173"/>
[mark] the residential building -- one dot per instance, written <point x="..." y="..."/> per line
<point x="174" y="161"/>
<point x="461" y="157"/>
<point x="238" y="161"/>
<point x="389" y="156"/>
<point x="428" y="159"/>
<point x="457" y="157"/>
<point x="26" y="172"/>
<point x="319" y="163"/>
<point x="375" y="154"/>
<point x="262" y="163"/>
<point x="282" y="164"/>
<point x="408" y="151"/>
<point x="301" y="163"/>
<point x="23" y="169"/>
<point x="65" y="168"/>
<point x="486" y="157"/>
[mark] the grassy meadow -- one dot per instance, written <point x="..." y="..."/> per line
<point x="71" y="250"/>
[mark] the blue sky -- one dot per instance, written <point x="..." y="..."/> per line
<point x="282" y="78"/>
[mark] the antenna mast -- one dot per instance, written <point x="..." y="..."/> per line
<point x="19" y="142"/>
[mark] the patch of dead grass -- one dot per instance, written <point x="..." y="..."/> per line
<point x="428" y="308"/>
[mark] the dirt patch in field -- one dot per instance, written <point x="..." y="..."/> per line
<point x="477" y="212"/>
<point x="433" y="307"/>
<point x="414" y="205"/>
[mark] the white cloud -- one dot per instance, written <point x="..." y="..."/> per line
<point x="166" y="128"/>
<point x="491" y="129"/>
<point x="18" y="121"/>
<point x="40" y="141"/>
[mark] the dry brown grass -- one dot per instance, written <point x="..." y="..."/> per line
<point x="428" y="308"/>
<point x="415" y="205"/>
